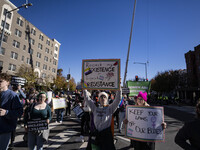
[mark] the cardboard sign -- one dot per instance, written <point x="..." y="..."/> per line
<point x="144" y="123"/>
<point x="101" y="74"/>
<point x="78" y="111"/>
<point x="59" y="103"/>
<point x="35" y="125"/>
<point x="137" y="86"/>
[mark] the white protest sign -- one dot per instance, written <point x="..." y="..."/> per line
<point x="101" y="74"/>
<point x="49" y="96"/>
<point x="144" y="123"/>
<point x="59" y="103"/>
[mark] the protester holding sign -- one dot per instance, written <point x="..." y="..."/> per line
<point x="190" y="132"/>
<point x="122" y="110"/>
<point x="139" y="145"/>
<point x="37" y="111"/>
<point x="103" y="138"/>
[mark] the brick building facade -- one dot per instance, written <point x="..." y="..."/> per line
<point x="24" y="43"/>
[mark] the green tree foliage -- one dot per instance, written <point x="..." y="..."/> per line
<point x="27" y="73"/>
<point x="62" y="84"/>
<point x="167" y="81"/>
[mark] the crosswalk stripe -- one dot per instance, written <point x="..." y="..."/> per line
<point x="84" y="145"/>
<point x="125" y="139"/>
<point x="63" y="137"/>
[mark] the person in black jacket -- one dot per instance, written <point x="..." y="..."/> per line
<point x="190" y="131"/>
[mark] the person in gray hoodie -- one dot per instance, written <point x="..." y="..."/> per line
<point x="102" y="119"/>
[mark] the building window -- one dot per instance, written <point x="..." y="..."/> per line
<point x="47" y="50"/>
<point x="50" y="60"/>
<point x="37" y="64"/>
<point x="45" y="67"/>
<point x="20" y="22"/>
<point x="37" y="74"/>
<point x="48" y="42"/>
<point x="16" y="44"/>
<point x="44" y="75"/>
<point x="22" y="58"/>
<point x="40" y="46"/>
<point x="55" y="55"/>
<point x="2" y="51"/>
<point x="1" y="63"/>
<point x="12" y="67"/>
<point x="54" y="62"/>
<point x="41" y="37"/>
<point x="56" y="48"/>
<point x="30" y="51"/>
<point x="46" y="58"/>
<point x="49" y="68"/>
<point x="14" y="55"/>
<point x="5" y="38"/>
<point x="38" y="55"/>
<point x="18" y="33"/>
<point x="33" y="32"/>
<point x="8" y="14"/>
<point x="26" y="36"/>
<point x="7" y="26"/>
<point x="24" y="48"/>
<point x="53" y="70"/>
<point x="32" y="41"/>
<point x="28" y="61"/>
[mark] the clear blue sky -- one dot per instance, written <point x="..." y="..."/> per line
<point x="164" y="30"/>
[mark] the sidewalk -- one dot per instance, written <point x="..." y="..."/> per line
<point x="188" y="109"/>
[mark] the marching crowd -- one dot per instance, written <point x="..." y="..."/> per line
<point x="100" y="108"/>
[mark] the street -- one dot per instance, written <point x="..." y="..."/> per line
<point x="66" y="135"/>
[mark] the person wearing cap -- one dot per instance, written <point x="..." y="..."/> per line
<point x="102" y="119"/>
<point x="37" y="111"/>
<point x="141" y="100"/>
<point x="189" y="135"/>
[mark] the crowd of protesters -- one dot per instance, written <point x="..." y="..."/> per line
<point x="101" y="111"/>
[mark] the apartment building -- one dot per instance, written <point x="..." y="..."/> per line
<point x="25" y="44"/>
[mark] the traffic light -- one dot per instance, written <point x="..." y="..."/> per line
<point x="136" y="78"/>
<point x="68" y="76"/>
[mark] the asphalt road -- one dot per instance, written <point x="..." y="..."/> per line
<point x="66" y="135"/>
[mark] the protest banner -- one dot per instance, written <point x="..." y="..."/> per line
<point x="78" y="111"/>
<point x="37" y="124"/>
<point x="137" y="86"/>
<point x="101" y="74"/>
<point x="144" y="123"/>
<point x="59" y="103"/>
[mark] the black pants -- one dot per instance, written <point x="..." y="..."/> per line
<point x="104" y="140"/>
<point x="85" y="121"/>
<point x="144" y="145"/>
<point x="68" y="109"/>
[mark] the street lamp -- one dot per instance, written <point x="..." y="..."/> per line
<point x="145" y="67"/>
<point x="7" y="12"/>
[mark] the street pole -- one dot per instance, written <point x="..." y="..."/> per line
<point x="7" y="12"/>
<point x="129" y="45"/>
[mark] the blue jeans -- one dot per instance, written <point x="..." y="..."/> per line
<point x="4" y="140"/>
<point x="59" y="113"/>
<point x="35" y="140"/>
